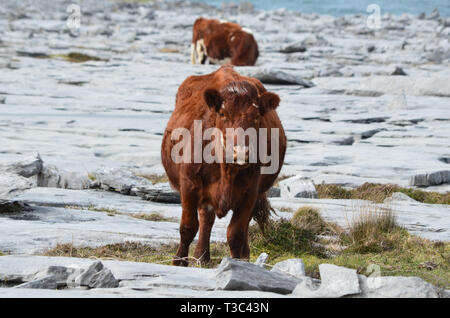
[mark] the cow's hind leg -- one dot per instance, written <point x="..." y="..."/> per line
<point x="207" y="218"/>
<point x="188" y="229"/>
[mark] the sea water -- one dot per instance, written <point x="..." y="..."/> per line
<point x="343" y="7"/>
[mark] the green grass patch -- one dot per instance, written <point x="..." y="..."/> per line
<point x="155" y="217"/>
<point x="135" y="252"/>
<point x="373" y="238"/>
<point x="155" y="178"/>
<point x="75" y="57"/>
<point x="379" y="192"/>
<point x="281" y="237"/>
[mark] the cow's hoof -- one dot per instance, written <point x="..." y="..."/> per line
<point x="180" y="262"/>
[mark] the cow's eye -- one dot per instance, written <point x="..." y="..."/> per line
<point x="221" y="114"/>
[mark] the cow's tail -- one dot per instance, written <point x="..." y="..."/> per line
<point x="262" y="211"/>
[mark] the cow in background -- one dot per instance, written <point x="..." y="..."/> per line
<point x="220" y="42"/>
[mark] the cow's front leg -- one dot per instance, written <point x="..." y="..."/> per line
<point x="237" y="232"/>
<point x="193" y="53"/>
<point x="207" y="218"/>
<point x="188" y="228"/>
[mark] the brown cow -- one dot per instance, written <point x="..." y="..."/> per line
<point x="222" y="43"/>
<point x="223" y="99"/>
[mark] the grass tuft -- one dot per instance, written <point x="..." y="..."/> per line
<point x="374" y="229"/>
<point x="309" y="219"/>
<point x="379" y="192"/>
<point x="282" y="237"/>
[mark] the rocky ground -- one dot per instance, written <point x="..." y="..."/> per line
<point x="358" y="105"/>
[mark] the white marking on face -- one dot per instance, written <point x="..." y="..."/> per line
<point x="201" y="50"/>
<point x="219" y="62"/>
<point x="256" y="106"/>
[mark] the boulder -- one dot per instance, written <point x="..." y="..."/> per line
<point x="261" y="260"/>
<point x="430" y="179"/>
<point x="336" y="282"/>
<point x="12" y="184"/>
<point x="85" y="278"/>
<point x="297" y="47"/>
<point x="60" y="274"/>
<point x="236" y="275"/>
<point x="274" y="192"/>
<point x="399" y="71"/>
<point x="97" y="276"/>
<point x="298" y="187"/>
<point x="370" y="133"/>
<point x="434" y="15"/>
<point x="103" y="279"/>
<point x="52" y="177"/>
<point x="294" y="267"/>
<point x="26" y="168"/>
<point x="119" y="180"/>
<point x="399" y="197"/>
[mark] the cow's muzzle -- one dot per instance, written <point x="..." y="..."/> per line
<point x="241" y="155"/>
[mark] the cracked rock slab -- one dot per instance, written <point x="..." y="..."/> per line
<point x="336" y="282"/>
<point x="236" y="275"/>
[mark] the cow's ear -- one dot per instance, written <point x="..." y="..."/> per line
<point x="268" y="101"/>
<point x="213" y="99"/>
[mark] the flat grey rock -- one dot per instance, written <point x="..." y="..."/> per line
<point x="274" y="76"/>
<point x="348" y="141"/>
<point x="47" y="282"/>
<point x="236" y="275"/>
<point x="396" y="287"/>
<point x="126" y="182"/>
<point x="336" y="282"/>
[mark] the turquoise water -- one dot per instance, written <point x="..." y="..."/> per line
<point x="342" y="7"/>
